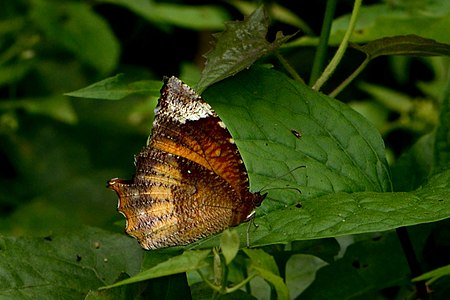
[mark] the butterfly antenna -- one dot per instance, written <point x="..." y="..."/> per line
<point x="284" y="188"/>
<point x="264" y="188"/>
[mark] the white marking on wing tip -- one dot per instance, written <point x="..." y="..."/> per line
<point x="231" y="140"/>
<point x="222" y="124"/>
<point x="189" y="107"/>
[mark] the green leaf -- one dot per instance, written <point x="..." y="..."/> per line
<point x="369" y="265"/>
<point x="389" y="98"/>
<point x="301" y="272"/>
<point x="428" y="156"/>
<point x="435" y="274"/>
<point x="266" y="267"/>
<point x="229" y="243"/>
<point x="74" y="26"/>
<point x="188" y="261"/>
<point x="382" y="20"/>
<point x="204" y="17"/>
<point x="344" y="214"/>
<point x="117" y="87"/>
<point x="430" y="21"/>
<point x="277" y="12"/>
<point x="442" y="142"/>
<point x="404" y="45"/>
<point x="339" y="149"/>
<point x="238" y="47"/>
<point x="411" y="170"/>
<point x="14" y="72"/>
<point x="64" y="266"/>
<point x="56" y="107"/>
<point x="345" y="185"/>
<point x="325" y="249"/>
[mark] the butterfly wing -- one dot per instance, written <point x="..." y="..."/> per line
<point x="173" y="201"/>
<point x="190" y="180"/>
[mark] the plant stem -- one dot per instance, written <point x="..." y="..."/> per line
<point x="320" y="56"/>
<point x="405" y="241"/>
<point x="349" y="79"/>
<point x="288" y="67"/>
<point x="341" y="50"/>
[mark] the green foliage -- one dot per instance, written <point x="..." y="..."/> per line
<point x="337" y="196"/>
<point x="427" y="19"/>
<point x="238" y="47"/>
<point x="204" y="17"/>
<point x="116" y="88"/>
<point x="65" y="267"/>
<point x="69" y="25"/>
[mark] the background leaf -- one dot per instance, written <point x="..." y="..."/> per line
<point x="265" y="266"/>
<point x="187" y="261"/>
<point x="206" y="17"/>
<point x="361" y="266"/>
<point x="425" y="19"/>
<point x="404" y="45"/>
<point x="237" y="48"/>
<point x="78" y="30"/>
<point x="64" y="266"/>
<point x="117" y="87"/>
<point x="229" y="244"/>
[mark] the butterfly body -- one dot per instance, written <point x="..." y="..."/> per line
<point x="190" y="180"/>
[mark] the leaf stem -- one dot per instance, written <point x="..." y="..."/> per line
<point x="341" y="50"/>
<point x="288" y="67"/>
<point x="349" y="79"/>
<point x="320" y="56"/>
<point x="241" y="284"/>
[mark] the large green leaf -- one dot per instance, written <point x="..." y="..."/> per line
<point x="280" y="125"/>
<point x="64" y="266"/>
<point x="345" y="185"/>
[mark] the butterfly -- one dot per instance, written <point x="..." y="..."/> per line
<point x="190" y="179"/>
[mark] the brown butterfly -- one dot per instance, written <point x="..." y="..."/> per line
<point x="190" y="179"/>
